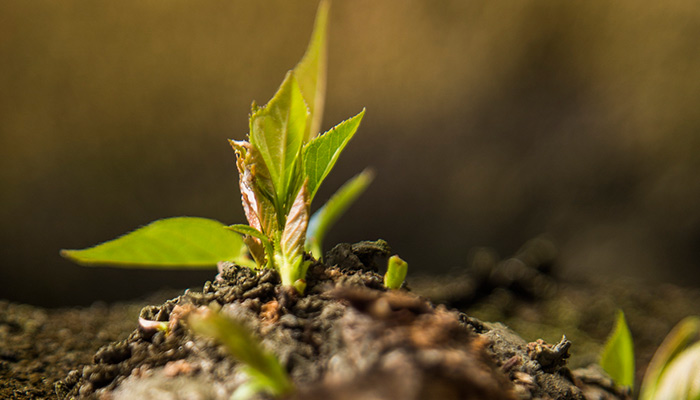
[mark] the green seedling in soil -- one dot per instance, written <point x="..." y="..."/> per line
<point x="395" y="272"/>
<point x="617" y="358"/>
<point x="674" y="371"/>
<point x="264" y="371"/>
<point x="281" y="166"/>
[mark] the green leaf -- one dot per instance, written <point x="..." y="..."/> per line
<point x="395" y="272"/>
<point x="166" y="243"/>
<point x="311" y="71"/>
<point x="263" y="368"/>
<point x="322" y="152"/>
<point x="248" y="230"/>
<point x="326" y="216"/>
<point x="675" y="342"/>
<point x="260" y="240"/>
<point x="681" y="378"/>
<point x="617" y="358"/>
<point x="277" y="132"/>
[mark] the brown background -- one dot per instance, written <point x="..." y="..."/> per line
<point x="488" y="123"/>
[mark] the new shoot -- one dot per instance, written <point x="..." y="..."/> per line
<point x="395" y="272"/>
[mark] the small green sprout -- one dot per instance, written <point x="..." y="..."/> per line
<point x="264" y="371"/>
<point x="674" y="371"/>
<point x="395" y="272"/>
<point x="617" y="358"/>
<point x="281" y="167"/>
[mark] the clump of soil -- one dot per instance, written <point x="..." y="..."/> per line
<point x="347" y="338"/>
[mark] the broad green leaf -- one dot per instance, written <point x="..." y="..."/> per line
<point x="166" y="243"/>
<point x="311" y="71"/>
<point x="675" y="342"/>
<point x="277" y="132"/>
<point x="395" y="272"/>
<point x="265" y="371"/>
<point x="617" y="358"/>
<point x="321" y="153"/>
<point x="326" y="216"/>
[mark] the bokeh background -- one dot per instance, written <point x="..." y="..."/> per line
<point x="488" y="123"/>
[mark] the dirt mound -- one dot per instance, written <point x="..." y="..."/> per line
<point x="346" y="338"/>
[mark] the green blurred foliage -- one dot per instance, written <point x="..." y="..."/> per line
<point x="494" y="121"/>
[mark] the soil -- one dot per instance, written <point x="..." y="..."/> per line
<point x="349" y="338"/>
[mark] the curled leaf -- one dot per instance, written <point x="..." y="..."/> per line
<point x="257" y="191"/>
<point x="680" y="337"/>
<point x="245" y="182"/>
<point x="681" y="378"/>
<point x="294" y="233"/>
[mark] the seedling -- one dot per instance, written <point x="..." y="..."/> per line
<point x="674" y="371"/>
<point x="281" y="167"/>
<point x="617" y="358"/>
<point x="395" y="272"/>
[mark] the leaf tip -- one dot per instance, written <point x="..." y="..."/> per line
<point x="368" y="174"/>
<point x="66" y="253"/>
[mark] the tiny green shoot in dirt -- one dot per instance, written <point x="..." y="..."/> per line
<point x="395" y="272"/>
<point x="617" y="358"/>
<point x="281" y="166"/>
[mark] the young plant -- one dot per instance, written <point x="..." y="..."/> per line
<point x="617" y="358"/>
<point x="281" y="167"/>
<point x="395" y="272"/>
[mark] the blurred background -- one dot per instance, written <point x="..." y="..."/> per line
<point x="488" y="123"/>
